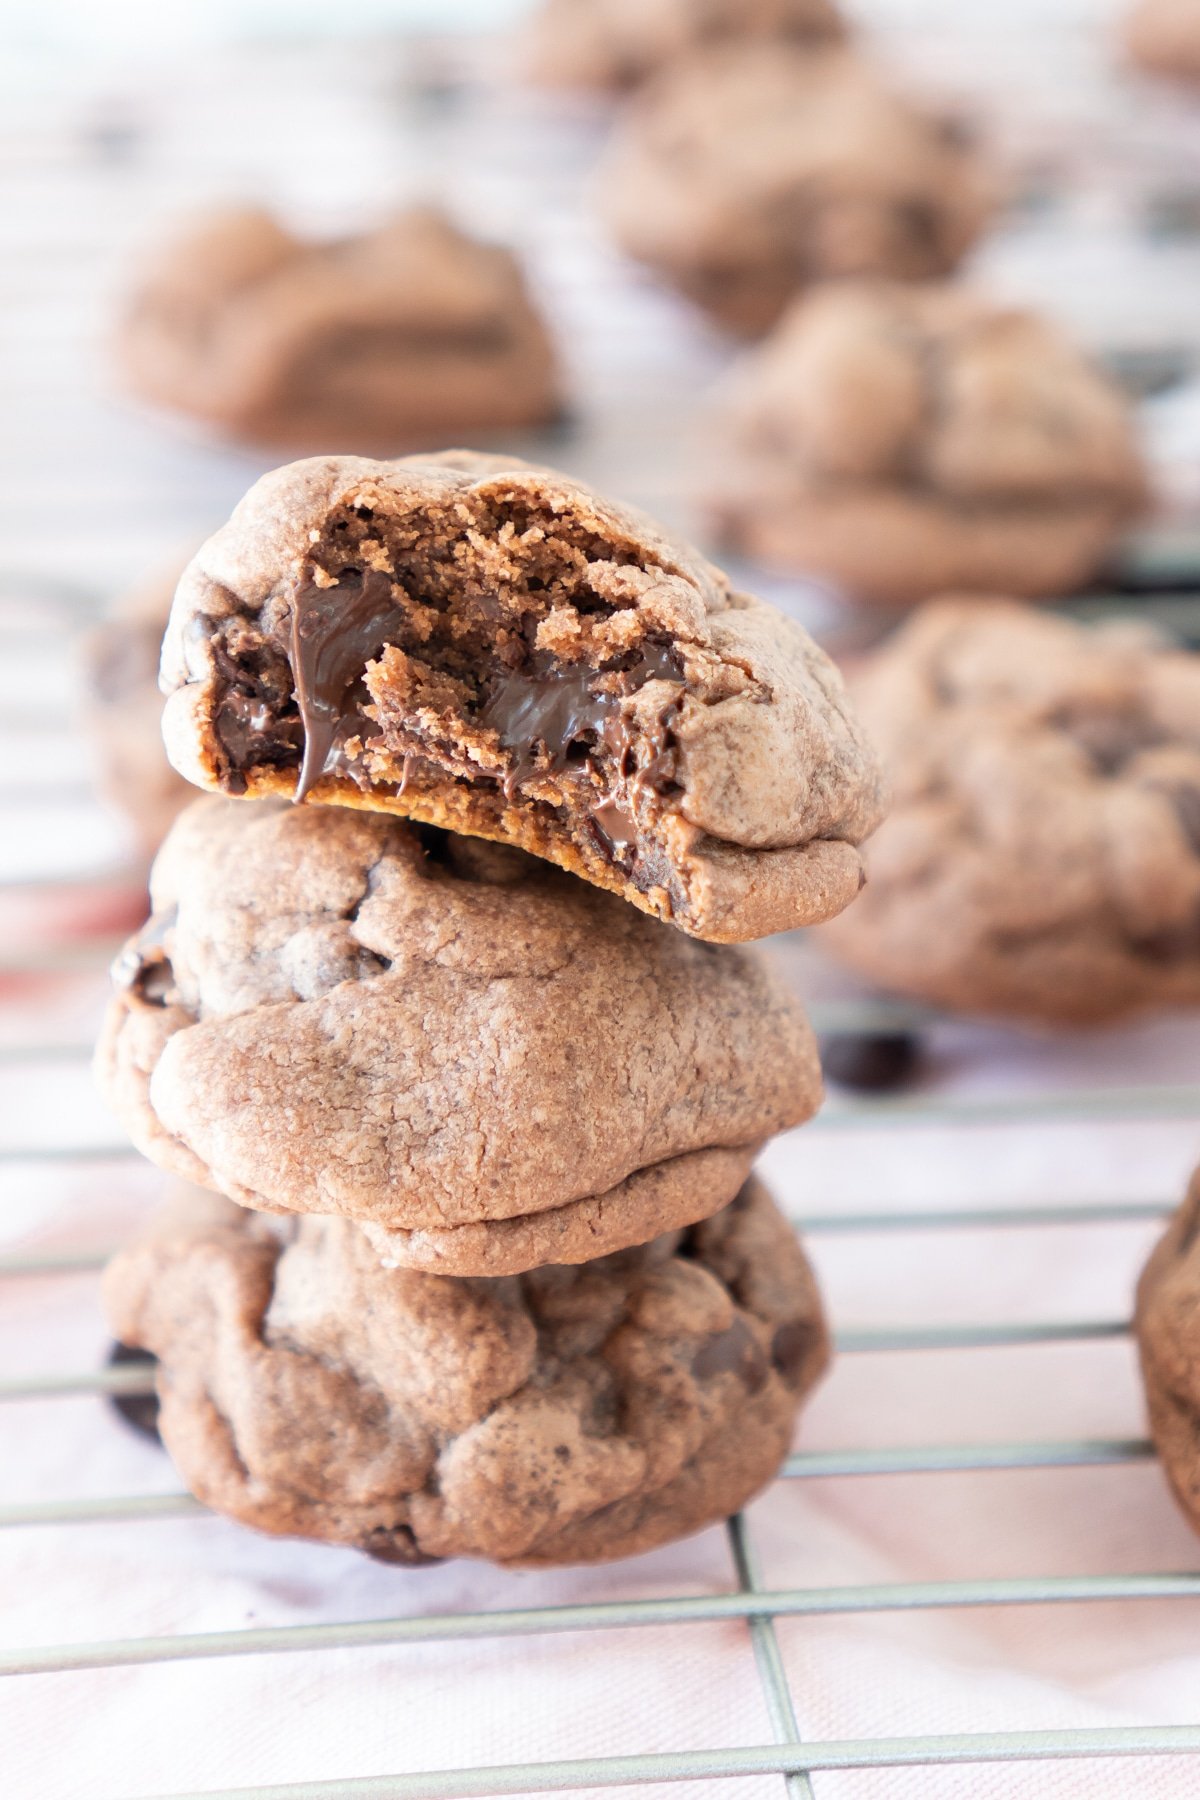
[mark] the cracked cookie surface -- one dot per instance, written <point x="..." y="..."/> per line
<point x="411" y="331"/>
<point x="749" y="173"/>
<point x="490" y="647"/>
<point x="339" y="1012"/>
<point x="903" y="441"/>
<point x="1166" y="1321"/>
<point x="568" y="1415"/>
<point x="1042" y="859"/>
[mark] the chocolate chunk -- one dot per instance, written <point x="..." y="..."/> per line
<point x="733" y="1352"/>
<point x="615" y="827"/>
<point x="1110" y="739"/>
<point x="336" y="632"/>
<point x="791" y="1347"/>
<point x="143" y="967"/>
<point x="1186" y="801"/>
<point x="138" y="1410"/>
<point x="560" y="707"/>
<point x="874" y="1062"/>
<point x="251" y="733"/>
<point x="395" y="1544"/>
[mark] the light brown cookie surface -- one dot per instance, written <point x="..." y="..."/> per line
<point x="410" y="332"/>
<point x="1163" y="37"/>
<point x="748" y="174"/>
<point x="491" y="647"/>
<point x="617" y="43"/>
<point x="122" y="712"/>
<point x="337" y="1012"/>
<point x="570" y="1415"/>
<point x="1042" y="858"/>
<point x="1167" y="1328"/>
<point x="906" y="440"/>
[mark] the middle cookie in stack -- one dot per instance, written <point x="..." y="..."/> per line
<point x="482" y="1065"/>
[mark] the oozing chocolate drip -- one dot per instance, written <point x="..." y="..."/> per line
<point x="559" y="707"/>
<point x="335" y="632"/>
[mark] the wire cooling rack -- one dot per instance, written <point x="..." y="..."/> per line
<point x="102" y="165"/>
<point x="751" y="1602"/>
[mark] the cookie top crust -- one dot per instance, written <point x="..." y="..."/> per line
<point x="490" y="646"/>
<point x="1043" y="856"/>
<point x="375" y="341"/>
<point x="748" y="173"/>
<point x="334" y="1011"/>
<point x="618" y="43"/>
<point x="570" y="1415"/>
<point x="935" y="388"/>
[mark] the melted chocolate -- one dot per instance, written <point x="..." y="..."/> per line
<point x="143" y="967"/>
<point x="616" y="828"/>
<point x="336" y="632"/>
<point x="558" y="708"/>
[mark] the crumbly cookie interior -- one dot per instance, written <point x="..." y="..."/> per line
<point x="482" y="664"/>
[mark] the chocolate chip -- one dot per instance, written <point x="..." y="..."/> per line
<point x="732" y="1352"/>
<point x="1186" y="801"/>
<point x="395" y="1544"/>
<point x="874" y="1062"/>
<point x="1110" y="739"/>
<point x="791" y="1347"/>
<point x="138" y="1410"/>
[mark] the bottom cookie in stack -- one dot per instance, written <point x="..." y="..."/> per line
<point x="569" y="1414"/>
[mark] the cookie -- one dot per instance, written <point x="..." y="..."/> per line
<point x="568" y="1415"/>
<point x="752" y="172"/>
<point x="410" y="332"/>
<point x="334" y="1011"/>
<point x="902" y="441"/>
<point x="1163" y="37"/>
<point x="1042" y="858"/>
<point x="1167" y="1329"/>
<point x="615" y="44"/>
<point x="122" y="713"/>
<point x="490" y="647"/>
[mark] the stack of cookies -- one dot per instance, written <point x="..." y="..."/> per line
<point x="464" y="1048"/>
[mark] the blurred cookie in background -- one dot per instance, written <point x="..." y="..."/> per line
<point x="1041" y="861"/>
<point x="899" y="441"/>
<point x="122" y="712"/>
<point x="1163" y="37"/>
<point x="411" y="332"/>
<point x="749" y="173"/>
<point x="618" y="43"/>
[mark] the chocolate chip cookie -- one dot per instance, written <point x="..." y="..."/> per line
<point x="750" y="173"/>
<point x="618" y="43"/>
<point x="491" y="647"/>
<point x="568" y="1415"/>
<point x="334" y="1011"/>
<point x="382" y="342"/>
<point x="1042" y="859"/>
<point x="902" y="441"/>
<point x="1167" y="1327"/>
<point x="122" y="713"/>
<point x="1163" y="37"/>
